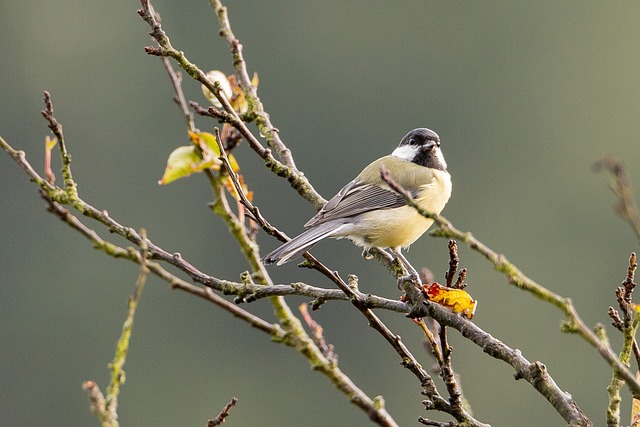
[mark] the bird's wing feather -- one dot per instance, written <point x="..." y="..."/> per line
<point x="356" y="198"/>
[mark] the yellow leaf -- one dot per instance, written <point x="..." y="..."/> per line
<point x="207" y="143"/>
<point x="183" y="161"/>
<point x="456" y="300"/>
<point x="232" y="189"/>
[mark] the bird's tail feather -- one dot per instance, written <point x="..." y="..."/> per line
<point x="301" y="244"/>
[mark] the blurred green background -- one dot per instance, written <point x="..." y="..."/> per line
<point x="524" y="95"/>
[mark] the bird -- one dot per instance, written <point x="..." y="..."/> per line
<point x="371" y="214"/>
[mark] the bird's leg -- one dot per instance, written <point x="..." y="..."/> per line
<point x="366" y="254"/>
<point x="412" y="273"/>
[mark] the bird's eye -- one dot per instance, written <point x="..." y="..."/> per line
<point x="412" y="141"/>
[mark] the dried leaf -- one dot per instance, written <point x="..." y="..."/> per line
<point x="457" y="300"/>
<point x="232" y="189"/>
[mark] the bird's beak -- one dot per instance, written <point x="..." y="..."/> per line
<point x="430" y="145"/>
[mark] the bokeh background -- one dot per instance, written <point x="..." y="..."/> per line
<point x="525" y="96"/>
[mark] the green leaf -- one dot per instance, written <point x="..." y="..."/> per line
<point x="183" y="161"/>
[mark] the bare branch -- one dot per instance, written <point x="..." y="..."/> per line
<point x="176" y="82"/>
<point x="626" y="206"/>
<point x="220" y="418"/>
<point x="628" y="325"/>
<point x="454" y="261"/>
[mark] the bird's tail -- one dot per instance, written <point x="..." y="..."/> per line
<point x="301" y="243"/>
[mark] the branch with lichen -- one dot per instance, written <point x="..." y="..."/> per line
<point x="628" y="326"/>
<point x="534" y="373"/>
<point x="284" y="168"/>
<point x="55" y="196"/>
<point x="105" y="408"/>
<point x="573" y="322"/>
<point x="257" y="284"/>
<point x="349" y="290"/>
<point x="290" y="330"/>
<point x="255" y="105"/>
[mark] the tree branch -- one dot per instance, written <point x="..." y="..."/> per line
<point x="165" y="49"/>
<point x="536" y="373"/>
<point x="251" y="93"/>
<point x="626" y="206"/>
<point x="628" y="327"/>
<point x="220" y="418"/>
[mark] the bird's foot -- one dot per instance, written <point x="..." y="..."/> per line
<point x="366" y="254"/>
<point x="412" y="277"/>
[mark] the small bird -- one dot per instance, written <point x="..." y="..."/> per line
<point x="370" y="214"/>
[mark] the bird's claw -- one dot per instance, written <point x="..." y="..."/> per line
<point x="366" y="254"/>
<point x="411" y="277"/>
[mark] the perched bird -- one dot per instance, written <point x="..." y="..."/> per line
<point x="369" y="213"/>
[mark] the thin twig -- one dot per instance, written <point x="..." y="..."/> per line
<point x="317" y="333"/>
<point x="96" y="399"/>
<point x="220" y="418"/>
<point x="105" y="408"/>
<point x="56" y="128"/>
<point x="628" y="325"/>
<point x="626" y="206"/>
<point x="176" y="82"/>
<point x="255" y="105"/>
<point x="447" y="373"/>
<point x="454" y="261"/>
<point x="122" y="347"/>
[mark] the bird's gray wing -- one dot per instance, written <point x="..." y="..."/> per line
<point x="356" y="198"/>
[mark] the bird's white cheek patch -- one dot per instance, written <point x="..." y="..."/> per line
<point x="405" y="152"/>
